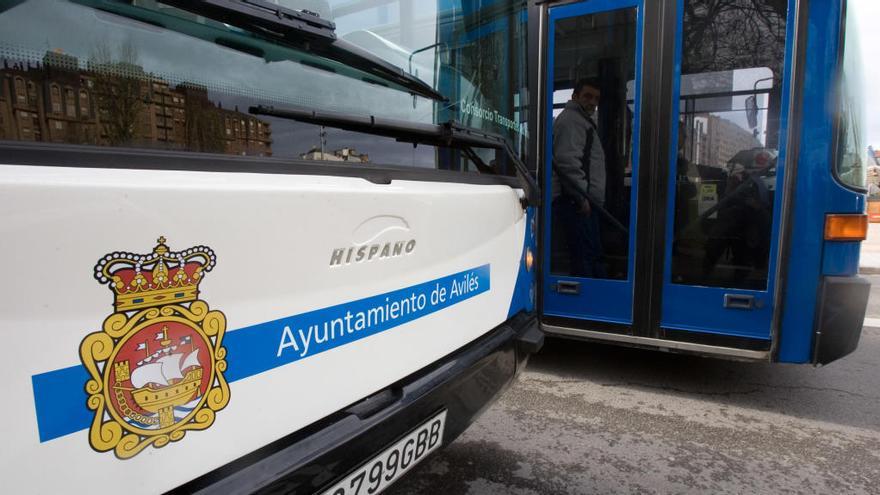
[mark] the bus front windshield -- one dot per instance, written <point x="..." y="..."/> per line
<point x="145" y="74"/>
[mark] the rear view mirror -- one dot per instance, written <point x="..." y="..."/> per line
<point x="752" y="111"/>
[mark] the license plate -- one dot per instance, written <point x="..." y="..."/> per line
<point x="384" y="469"/>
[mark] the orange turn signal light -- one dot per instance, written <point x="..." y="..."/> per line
<point x="530" y="259"/>
<point x="840" y="227"/>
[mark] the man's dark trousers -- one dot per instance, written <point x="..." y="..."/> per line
<point x="582" y="234"/>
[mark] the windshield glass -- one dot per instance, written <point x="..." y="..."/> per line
<point x="850" y="163"/>
<point x="144" y="74"/>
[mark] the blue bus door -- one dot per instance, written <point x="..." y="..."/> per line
<point x="708" y="221"/>
<point x="722" y="223"/>
<point x="588" y="259"/>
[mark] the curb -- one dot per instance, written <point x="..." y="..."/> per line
<point x="872" y="323"/>
<point x="869" y="270"/>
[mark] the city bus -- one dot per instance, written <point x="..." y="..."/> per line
<point x="735" y="182"/>
<point x="298" y="246"/>
<point x="249" y="246"/>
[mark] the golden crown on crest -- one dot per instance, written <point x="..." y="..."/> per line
<point x="161" y="277"/>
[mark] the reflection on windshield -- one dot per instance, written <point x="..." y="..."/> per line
<point x="728" y="141"/>
<point x="86" y="76"/>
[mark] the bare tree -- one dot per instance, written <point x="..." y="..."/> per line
<point x="204" y="121"/>
<point x="726" y="35"/>
<point x="119" y="87"/>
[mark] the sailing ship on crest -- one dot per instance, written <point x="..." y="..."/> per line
<point x="164" y="380"/>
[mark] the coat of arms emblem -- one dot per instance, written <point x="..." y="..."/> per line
<point x="156" y="368"/>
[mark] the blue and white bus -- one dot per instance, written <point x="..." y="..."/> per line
<point x="297" y="246"/>
<point x="257" y="247"/>
<point x="735" y="180"/>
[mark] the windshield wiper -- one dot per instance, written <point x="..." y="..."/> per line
<point x="449" y="134"/>
<point x="305" y="31"/>
<point x="257" y="15"/>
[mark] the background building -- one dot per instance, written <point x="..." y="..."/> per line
<point x="717" y="140"/>
<point x="344" y="154"/>
<point x="118" y="104"/>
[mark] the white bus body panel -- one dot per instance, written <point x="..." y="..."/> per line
<point x="273" y="236"/>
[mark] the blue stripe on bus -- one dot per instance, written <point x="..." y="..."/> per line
<point x="60" y="398"/>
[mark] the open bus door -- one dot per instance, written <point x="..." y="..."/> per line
<point x="680" y="247"/>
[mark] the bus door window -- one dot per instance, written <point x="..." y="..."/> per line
<point x="595" y="55"/>
<point x="728" y="141"/>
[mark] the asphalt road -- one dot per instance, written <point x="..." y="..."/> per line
<point x="589" y="418"/>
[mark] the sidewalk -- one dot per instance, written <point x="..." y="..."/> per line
<point x="869" y="261"/>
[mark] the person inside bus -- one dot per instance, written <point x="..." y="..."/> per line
<point x="744" y="220"/>
<point x="579" y="180"/>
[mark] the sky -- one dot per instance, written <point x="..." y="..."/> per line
<point x="868" y="22"/>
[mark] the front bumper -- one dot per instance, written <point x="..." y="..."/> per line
<point x="464" y="383"/>
<point x="842" y="305"/>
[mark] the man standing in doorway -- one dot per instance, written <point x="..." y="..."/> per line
<point x="578" y="168"/>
